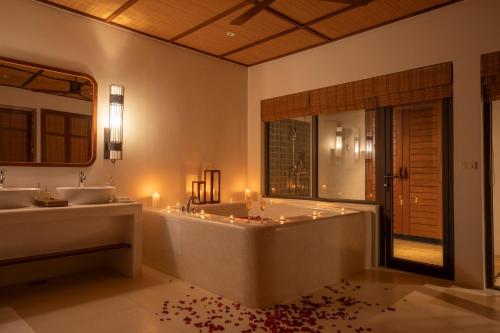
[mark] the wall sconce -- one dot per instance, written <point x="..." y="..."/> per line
<point x="212" y="184"/>
<point x="113" y="135"/>
<point x="198" y="191"/>
<point x="369" y="146"/>
<point x="339" y="140"/>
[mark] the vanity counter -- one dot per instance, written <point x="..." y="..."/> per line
<point x="38" y="243"/>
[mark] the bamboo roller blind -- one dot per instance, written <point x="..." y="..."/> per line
<point x="417" y="85"/>
<point x="490" y="76"/>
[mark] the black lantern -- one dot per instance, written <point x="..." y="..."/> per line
<point x="198" y="191"/>
<point x="212" y="183"/>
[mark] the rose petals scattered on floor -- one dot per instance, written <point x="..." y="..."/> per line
<point x="313" y="313"/>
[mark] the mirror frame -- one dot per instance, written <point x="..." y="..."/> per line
<point x="94" y="117"/>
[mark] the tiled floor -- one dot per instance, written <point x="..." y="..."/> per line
<point x="374" y="301"/>
<point x="418" y="251"/>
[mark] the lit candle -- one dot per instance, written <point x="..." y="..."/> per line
<point x="231" y="218"/>
<point x="168" y="209"/>
<point x="248" y="198"/>
<point x="248" y="194"/>
<point x="178" y="206"/>
<point x="231" y="200"/>
<point x="282" y="219"/>
<point x="156" y="200"/>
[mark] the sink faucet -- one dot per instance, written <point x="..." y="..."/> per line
<point x="82" y="178"/>
<point x="2" y="178"/>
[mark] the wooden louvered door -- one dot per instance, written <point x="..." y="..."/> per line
<point x="417" y="183"/>
<point x="417" y="163"/>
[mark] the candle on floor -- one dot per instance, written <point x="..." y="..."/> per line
<point x="156" y="200"/>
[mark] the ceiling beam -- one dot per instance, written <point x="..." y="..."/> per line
<point x="33" y="77"/>
<point x="298" y="25"/>
<point x="120" y="10"/>
<point x="217" y="17"/>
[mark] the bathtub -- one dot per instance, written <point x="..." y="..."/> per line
<point x="298" y="248"/>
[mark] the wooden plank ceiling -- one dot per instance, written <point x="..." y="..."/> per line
<point x="44" y="81"/>
<point x="285" y="27"/>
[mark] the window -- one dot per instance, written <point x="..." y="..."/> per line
<point x="66" y="137"/>
<point x="346" y="155"/>
<point x="289" y="157"/>
<point x="340" y="154"/>
<point x="16" y="135"/>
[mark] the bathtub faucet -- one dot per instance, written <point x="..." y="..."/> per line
<point x="187" y="208"/>
<point x="2" y="178"/>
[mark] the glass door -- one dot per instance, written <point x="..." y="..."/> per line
<point x="416" y="178"/>
<point x="492" y="188"/>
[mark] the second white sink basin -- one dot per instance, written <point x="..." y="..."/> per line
<point x="86" y="195"/>
<point x="17" y="197"/>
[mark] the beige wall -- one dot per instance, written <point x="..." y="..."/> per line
<point x="458" y="33"/>
<point x="183" y="110"/>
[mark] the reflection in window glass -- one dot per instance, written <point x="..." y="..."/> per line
<point x="346" y="155"/>
<point x="289" y="149"/>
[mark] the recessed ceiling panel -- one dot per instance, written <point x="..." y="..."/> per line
<point x="99" y="8"/>
<point x="10" y="76"/>
<point x="294" y="41"/>
<point x="371" y="15"/>
<point x="168" y="18"/>
<point x="221" y="37"/>
<point x="305" y="11"/>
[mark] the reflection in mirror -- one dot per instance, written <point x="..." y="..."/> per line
<point x="46" y="115"/>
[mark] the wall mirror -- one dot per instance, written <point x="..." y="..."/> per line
<point x="47" y="115"/>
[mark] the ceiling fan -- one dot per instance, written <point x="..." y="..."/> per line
<point x="75" y="88"/>
<point x="263" y="4"/>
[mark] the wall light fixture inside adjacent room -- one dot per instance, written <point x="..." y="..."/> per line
<point x="356" y="148"/>
<point x="113" y="135"/>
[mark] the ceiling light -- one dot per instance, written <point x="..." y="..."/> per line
<point x="230" y="34"/>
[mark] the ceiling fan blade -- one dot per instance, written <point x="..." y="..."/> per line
<point x="352" y="2"/>
<point x="257" y="8"/>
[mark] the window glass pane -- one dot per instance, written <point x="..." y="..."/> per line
<point x="346" y="155"/>
<point x="289" y="147"/>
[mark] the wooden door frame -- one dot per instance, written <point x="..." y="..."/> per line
<point x="488" y="195"/>
<point x="384" y="132"/>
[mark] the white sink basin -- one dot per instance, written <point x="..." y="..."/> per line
<point x="86" y="195"/>
<point x="17" y="197"/>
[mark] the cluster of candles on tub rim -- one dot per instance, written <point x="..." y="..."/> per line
<point x="248" y="205"/>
